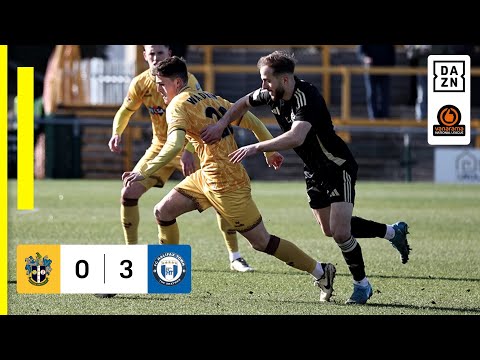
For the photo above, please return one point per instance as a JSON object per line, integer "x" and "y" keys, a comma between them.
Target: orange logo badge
{"x": 449, "y": 117}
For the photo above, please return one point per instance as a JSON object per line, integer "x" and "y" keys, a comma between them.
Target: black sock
{"x": 352, "y": 253}
{"x": 362, "y": 228}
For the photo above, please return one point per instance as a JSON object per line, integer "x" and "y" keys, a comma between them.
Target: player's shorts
{"x": 237, "y": 206}
{"x": 338, "y": 187}
{"x": 161, "y": 176}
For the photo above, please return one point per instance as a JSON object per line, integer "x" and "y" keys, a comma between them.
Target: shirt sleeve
{"x": 259, "y": 97}
{"x": 174, "y": 144}
{"x": 131, "y": 103}
{"x": 121, "y": 119}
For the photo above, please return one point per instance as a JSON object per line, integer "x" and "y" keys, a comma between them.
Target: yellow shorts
{"x": 159, "y": 178}
{"x": 237, "y": 206}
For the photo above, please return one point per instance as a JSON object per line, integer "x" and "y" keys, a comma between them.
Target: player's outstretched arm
{"x": 289, "y": 140}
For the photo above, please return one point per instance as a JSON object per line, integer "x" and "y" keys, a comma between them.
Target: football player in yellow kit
{"x": 142, "y": 90}
{"x": 219, "y": 183}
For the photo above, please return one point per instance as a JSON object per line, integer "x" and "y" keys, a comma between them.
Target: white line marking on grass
{"x": 25, "y": 212}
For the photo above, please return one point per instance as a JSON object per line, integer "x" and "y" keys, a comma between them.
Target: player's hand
{"x": 114, "y": 144}
{"x": 211, "y": 133}
{"x": 188, "y": 163}
{"x": 241, "y": 153}
{"x": 131, "y": 176}
{"x": 275, "y": 160}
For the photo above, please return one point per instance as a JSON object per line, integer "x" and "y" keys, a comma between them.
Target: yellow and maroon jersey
{"x": 192, "y": 110}
{"x": 143, "y": 90}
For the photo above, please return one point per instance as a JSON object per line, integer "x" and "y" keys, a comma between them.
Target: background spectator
{"x": 377, "y": 87}
{"x": 412, "y": 62}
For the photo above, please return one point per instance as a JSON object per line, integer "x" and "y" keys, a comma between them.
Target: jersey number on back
{"x": 210, "y": 111}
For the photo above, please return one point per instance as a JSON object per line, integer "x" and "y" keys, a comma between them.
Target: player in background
{"x": 218, "y": 183}
{"x": 329, "y": 167}
{"x": 142, "y": 90}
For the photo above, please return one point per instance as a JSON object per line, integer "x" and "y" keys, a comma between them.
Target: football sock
{"x": 289, "y": 253}
{"x": 352, "y": 253}
{"x": 229, "y": 236}
{"x": 362, "y": 228}
{"x": 390, "y": 233}
{"x": 130, "y": 218}
{"x": 168, "y": 232}
{"x": 318, "y": 272}
{"x": 234, "y": 256}
{"x": 363, "y": 282}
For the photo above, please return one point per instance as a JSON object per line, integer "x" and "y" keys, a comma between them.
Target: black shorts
{"x": 337, "y": 186}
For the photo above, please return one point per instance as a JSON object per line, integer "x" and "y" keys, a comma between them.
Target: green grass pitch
{"x": 441, "y": 278}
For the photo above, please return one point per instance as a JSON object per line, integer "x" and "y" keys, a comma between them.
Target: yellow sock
{"x": 168, "y": 233}
{"x": 130, "y": 218}
{"x": 229, "y": 234}
{"x": 293, "y": 256}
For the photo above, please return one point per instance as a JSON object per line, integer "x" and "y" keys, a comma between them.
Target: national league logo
{"x": 449, "y": 100}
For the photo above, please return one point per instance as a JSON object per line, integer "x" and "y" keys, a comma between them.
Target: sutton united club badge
{"x": 169, "y": 269}
{"x": 38, "y": 269}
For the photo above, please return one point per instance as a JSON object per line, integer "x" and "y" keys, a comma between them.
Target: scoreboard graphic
{"x": 104, "y": 269}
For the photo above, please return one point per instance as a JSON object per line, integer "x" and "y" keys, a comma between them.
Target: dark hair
{"x": 172, "y": 67}
{"x": 280, "y": 61}
{"x": 169, "y": 47}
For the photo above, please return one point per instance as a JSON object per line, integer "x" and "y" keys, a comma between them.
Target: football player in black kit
{"x": 329, "y": 166}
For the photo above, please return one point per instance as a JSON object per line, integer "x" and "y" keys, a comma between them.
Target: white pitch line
{"x": 25, "y": 212}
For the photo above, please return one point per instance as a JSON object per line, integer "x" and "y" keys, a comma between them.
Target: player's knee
{"x": 157, "y": 212}
{"x": 161, "y": 212}
{"x": 341, "y": 235}
{"x": 128, "y": 193}
{"x": 134, "y": 191}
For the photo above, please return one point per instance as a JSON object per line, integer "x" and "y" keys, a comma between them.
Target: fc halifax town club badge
{"x": 169, "y": 269}
{"x": 38, "y": 269}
